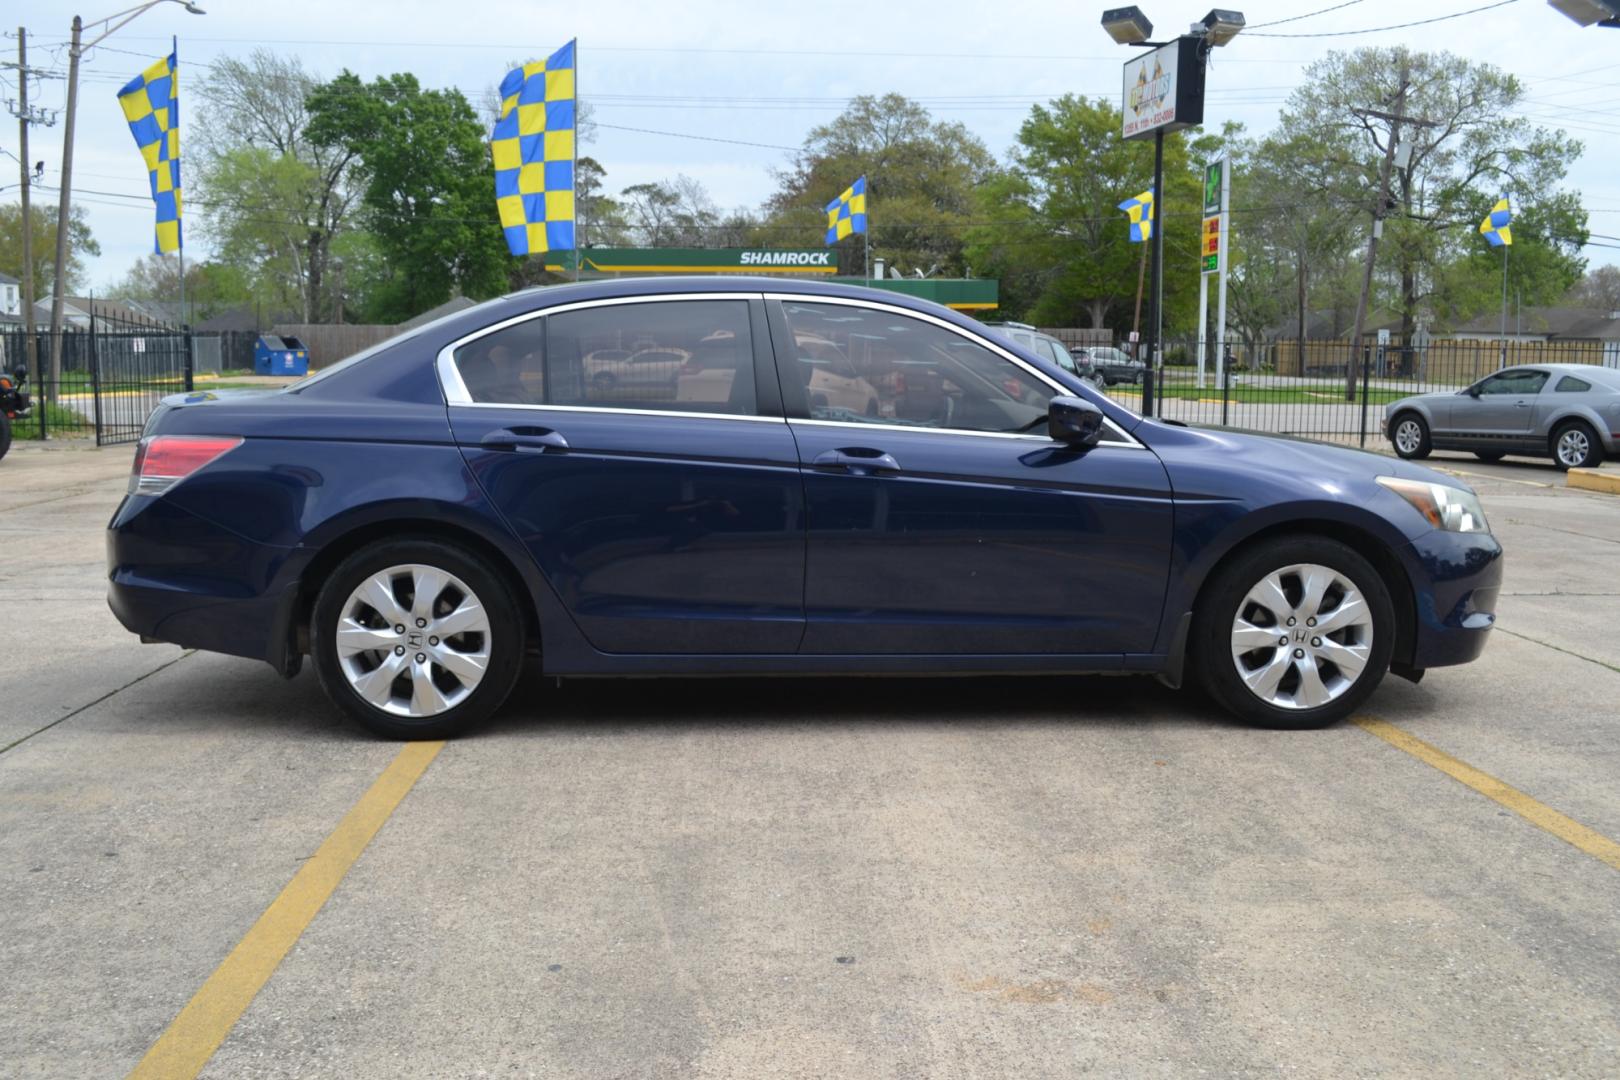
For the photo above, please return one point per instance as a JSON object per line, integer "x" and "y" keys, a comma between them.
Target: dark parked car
{"x": 1110, "y": 364}
{"x": 1568, "y": 412}
{"x": 423, "y": 516}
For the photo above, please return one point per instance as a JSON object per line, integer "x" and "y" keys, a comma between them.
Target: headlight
{"x": 1448, "y": 508}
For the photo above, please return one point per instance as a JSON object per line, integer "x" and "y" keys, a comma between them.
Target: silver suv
{"x": 1046, "y": 347}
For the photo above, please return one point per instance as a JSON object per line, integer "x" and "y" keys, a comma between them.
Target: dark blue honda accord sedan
{"x": 744, "y": 476}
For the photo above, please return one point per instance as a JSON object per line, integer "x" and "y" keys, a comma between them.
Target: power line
{"x": 1296, "y": 18}
{"x": 1396, "y": 26}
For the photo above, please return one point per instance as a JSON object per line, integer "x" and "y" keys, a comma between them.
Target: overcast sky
{"x": 766, "y": 71}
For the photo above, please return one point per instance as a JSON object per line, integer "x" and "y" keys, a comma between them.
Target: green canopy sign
{"x": 710, "y": 260}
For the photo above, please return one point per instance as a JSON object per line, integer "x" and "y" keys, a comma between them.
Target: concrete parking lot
{"x": 835, "y": 877}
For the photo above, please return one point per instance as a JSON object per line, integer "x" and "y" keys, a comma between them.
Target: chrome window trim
{"x": 620, "y": 412}
{"x": 984, "y": 342}
{"x": 455, "y": 390}
{"x": 922, "y": 429}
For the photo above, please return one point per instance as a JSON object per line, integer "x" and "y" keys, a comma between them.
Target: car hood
{"x": 1335, "y": 469}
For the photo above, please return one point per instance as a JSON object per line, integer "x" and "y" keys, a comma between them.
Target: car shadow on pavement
{"x": 540, "y": 705}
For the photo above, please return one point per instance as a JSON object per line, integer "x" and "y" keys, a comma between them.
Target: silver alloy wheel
{"x": 1408, "y": 436}
{"x": 413, "y": 640}
{"x": 1302, "y": 636}
{"x": 1573, "y": 446}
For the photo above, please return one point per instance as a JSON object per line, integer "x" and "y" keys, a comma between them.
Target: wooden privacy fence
{"x": 1440, "y": 360}
{"x": 329, "y": 343}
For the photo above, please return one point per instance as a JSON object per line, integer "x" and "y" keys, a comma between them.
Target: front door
{"x": 946, "y": 521}
{"x": 1505, "y": 408}
{"x": 664, "y": 506}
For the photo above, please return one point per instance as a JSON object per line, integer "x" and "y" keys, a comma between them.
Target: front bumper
{"x": 1459, "y": 576}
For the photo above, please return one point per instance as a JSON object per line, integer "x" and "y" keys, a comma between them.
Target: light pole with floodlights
{"x": 75, "y": 50}
{"x": 1152, "y": 104}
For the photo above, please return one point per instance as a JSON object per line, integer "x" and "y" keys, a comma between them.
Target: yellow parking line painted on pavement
{"x": 194, "y": 1035}
{"x": 1488, "y": 476}
{"x": 1539, "y": 814}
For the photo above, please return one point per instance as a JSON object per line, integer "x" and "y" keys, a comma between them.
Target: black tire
{"x": 506, "y": 632}
{"x": 1220, "y": 603}
{"x": 1415, "y": 451}
{"x": 1566, "y": 457}
{"x": 5, "y": 434}
{"x": 1490, "y": 457}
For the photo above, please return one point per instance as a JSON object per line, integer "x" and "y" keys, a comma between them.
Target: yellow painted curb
{"x": 1594, "y": 480}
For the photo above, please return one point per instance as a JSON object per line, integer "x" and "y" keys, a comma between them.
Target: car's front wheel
{"x": 1295, "y": 633}
{"x": 1575, "y": 446}
{"x": 416, "y": 638}
{"x": 1410, "y": 435}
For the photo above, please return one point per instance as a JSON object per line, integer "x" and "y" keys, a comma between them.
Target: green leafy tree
{"x": 211, "y": 287}
{"x": 427, "y": 188}
{"x": 271, "y": 200}
{"x": 1468, "y": 149}
{"x": 80, "y": 244}
{"x": 1599, "y": 289}
{"x": 1050, "y": 226}
{"x": 920, "y": 175}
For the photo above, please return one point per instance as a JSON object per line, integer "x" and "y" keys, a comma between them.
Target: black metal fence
{"x": 1283, "y": 388}
{"x": 107, "y": 382}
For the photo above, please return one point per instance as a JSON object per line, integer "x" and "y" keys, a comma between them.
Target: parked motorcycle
{"x": 14, "y": 403}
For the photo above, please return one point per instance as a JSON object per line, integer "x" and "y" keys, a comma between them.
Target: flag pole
{"x": 575, "y": 174}
{"x": 1502, "y": 360}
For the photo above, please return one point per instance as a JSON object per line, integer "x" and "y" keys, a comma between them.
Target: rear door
{"x": 948, "y": 522}
{"x": 666, "y": 509}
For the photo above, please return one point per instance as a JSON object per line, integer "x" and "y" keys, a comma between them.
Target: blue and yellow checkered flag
{"x": 533, "y": 145}
{"x": 1495, "y": 225}
{"x": 151, "y": 102}
{"x": 846, "y": 215}
{"x": 1140, "y": 210}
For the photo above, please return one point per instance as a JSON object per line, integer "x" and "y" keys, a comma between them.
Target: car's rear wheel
{"x": 1575, "y": 446}
{"x": 1410, "y": 435}
{"x": 1295, "y": 633}
{"x": 416, "y": 638}
{"x": 1489, "y": 456}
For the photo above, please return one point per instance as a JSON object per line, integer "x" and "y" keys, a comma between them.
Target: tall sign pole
{"x": 1163, "y": 92}
{"x": 1212, "y": 260}
{"x": 1225, "y": 257}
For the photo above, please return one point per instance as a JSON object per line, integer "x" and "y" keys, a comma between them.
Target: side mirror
{"x": 1074, "y": 421}
{"x": 1472, "y": 391}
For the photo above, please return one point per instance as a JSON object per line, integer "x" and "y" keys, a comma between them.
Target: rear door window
{"x": 672, "y": 356}
{"x": 1569, "y": 384}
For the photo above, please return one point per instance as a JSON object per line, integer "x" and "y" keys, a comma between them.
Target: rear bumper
{"x": 173, "y": 576}
{"x": 1460, "y": 578}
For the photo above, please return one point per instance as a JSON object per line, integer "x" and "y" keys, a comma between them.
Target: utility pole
{"x": 64, "y": 211}
{"x": 27, "y": 116}
{"x": 1380, "y": 207}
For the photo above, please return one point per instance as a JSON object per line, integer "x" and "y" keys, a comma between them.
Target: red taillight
{"x": 164, "y": 460}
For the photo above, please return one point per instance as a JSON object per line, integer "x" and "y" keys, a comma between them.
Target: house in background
{"x": 10, "y": 297}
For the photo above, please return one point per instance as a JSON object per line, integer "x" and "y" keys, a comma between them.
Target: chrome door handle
{"x": 533, "y": 440}
{"x": 858, "y": 459}
{"x": 1521, "y": 404}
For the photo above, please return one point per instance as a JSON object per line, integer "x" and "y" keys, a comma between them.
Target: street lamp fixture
{"x": 1221, "y": 26}
{"x": 1127, "y": 25}
{"x": 1590, "y": 12}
